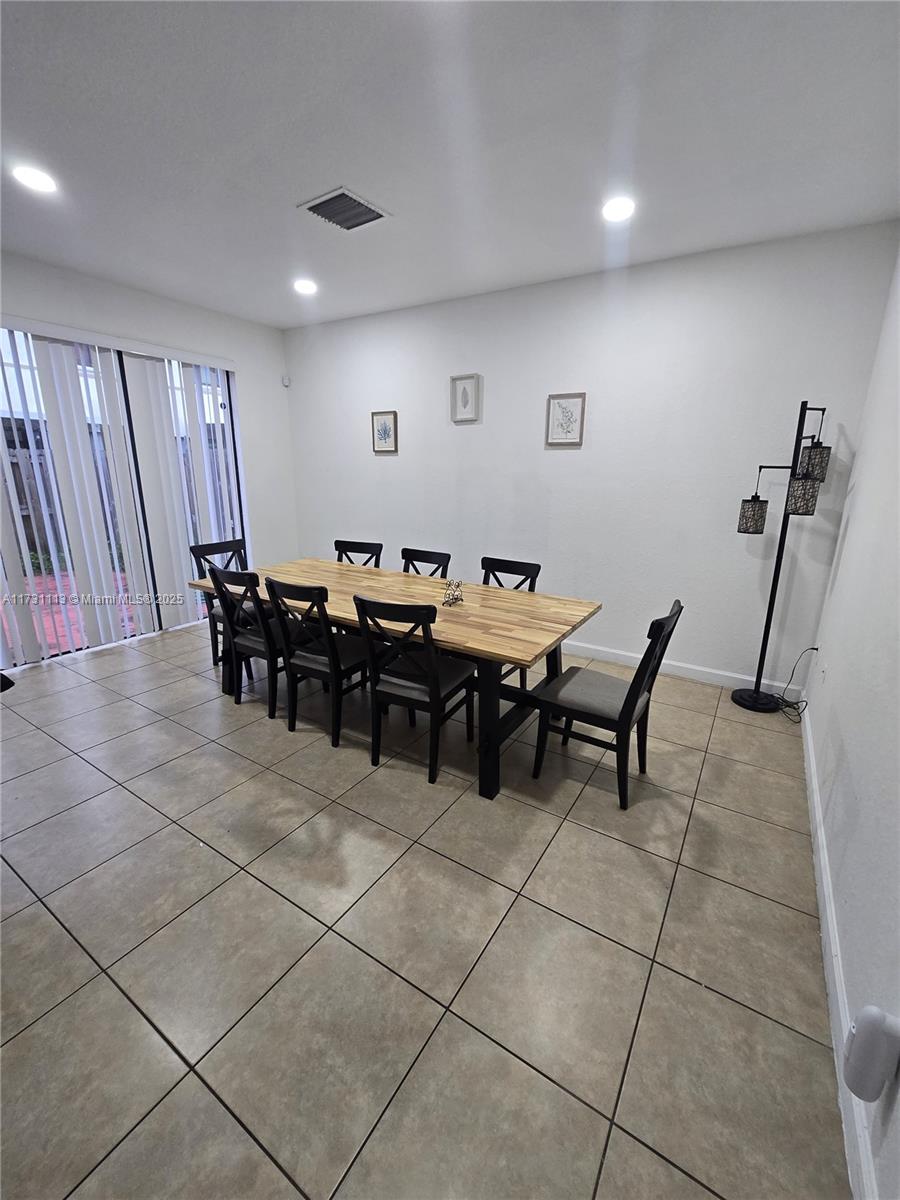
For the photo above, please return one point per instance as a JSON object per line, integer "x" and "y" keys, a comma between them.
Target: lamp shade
{"x": 753, "y": 515}
{"x": 814, "y": 462}
{"x": 802, "y": 496}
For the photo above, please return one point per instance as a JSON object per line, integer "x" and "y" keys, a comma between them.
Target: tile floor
{"x": 240, "y": 964}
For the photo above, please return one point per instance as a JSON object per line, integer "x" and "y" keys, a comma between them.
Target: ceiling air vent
{"x": 343, "y": 209}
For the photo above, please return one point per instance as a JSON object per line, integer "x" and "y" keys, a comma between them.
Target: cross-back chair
{"x": 228, "y": 555}
{"x": 406, "y": 669}
{"x": 311, "y": 650}
{"x": 511, "y": 573}
{"x": 606, "y": 702}
{"x": 370, "y": 552}
{"x": 438, "y": 560}
{"x": 249, "y": 630}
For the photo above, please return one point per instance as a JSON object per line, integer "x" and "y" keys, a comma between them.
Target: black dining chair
{"x": 230, "y": 555}
{"x": 511, "y": 573}
{"x": 249, "y": 630}
{"x": 311, "y": 650}
{"x": 607, "y": 702}
{"x": 438, "y": 560}
{"x": 411, "y": 673}
{"x": 370, "y": 552}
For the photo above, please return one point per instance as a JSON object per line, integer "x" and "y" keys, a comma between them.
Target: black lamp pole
{"x": 755, "y": 698}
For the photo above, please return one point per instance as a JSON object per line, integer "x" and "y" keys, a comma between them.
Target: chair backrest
{"x": 229, "y": 555}
{"x": 305, "y": 634}
{"x": 524, "y": 572}
{"x": 369, "y": 551}
{"x": 392, "y": 653}
{"x": 243, "y": 614}
{"x": 439, "y": 560}
{"x": 659, "y": 633}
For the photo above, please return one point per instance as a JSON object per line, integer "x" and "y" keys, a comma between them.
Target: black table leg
{"x": 488, "y": 728}
{"x": 554, "y": 663}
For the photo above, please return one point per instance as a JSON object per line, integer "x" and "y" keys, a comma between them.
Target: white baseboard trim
{"x": 686, "y": 670}
{"x": 854, "y": 1113}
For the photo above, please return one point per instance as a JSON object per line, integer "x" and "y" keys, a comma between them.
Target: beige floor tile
{"x": 65, "y": 846}
{"x": 73, "y": 1085}
{"x": 123, "y": 901}
{"x": 311, "y": 1067}
{"x": 581, "y": 751}
{"x": 37, "y": 681}
{"x": 759, "y": 747}
{"x": 14, "y": 895}
{"x": 12, "y": 725}
{"x": 632, "y": 1172}
{"x": 683, "y": 726}
{"x": 428, "y": 919}
{"x": 558, "y": 787}
{"x": 775, "y": 722}
{"x": 188, "y": 1148}
{"x": 655, "y": 819}
{"x": 270, "y": 742}
{"x": 675, "y": 768}
{"x": 216, "y": 718}
{"x": 106, "y": 661}
{"x": 465, "y": 1123}
{"x": 457, "y": 755}
{"x": 28, "y": 753}
{"x": 132, "y": 754}
{"x": 399, "y": 795}
{"x": 31, "y": 798}
{"x": 101, "y": 724}
{"x": 329, "y": 770}
{"x": 754, "y": 791}
{"x": 204, "y": 970}
{"x": 605, "y": 667}
{"x": 753, "y": 854}
{"x": 702, "y": 1063}
{"x": 143, "y": 679}
{"x": 193, "y": 779}
{"x": 175, "y": 645}
{"x": 245, "y": 821}
{"x": 564, "y": 999}
{"x": 754, "y": 950}
{"x": 502, "y": 838}
{"x": 687, "y": 693}
{"x": 627, "y": 905}
{"x": 175, "y": 697}
{"x": 70, "y": 702}
{"x": 327, "y": 864}
{"x": 41, "y": 966}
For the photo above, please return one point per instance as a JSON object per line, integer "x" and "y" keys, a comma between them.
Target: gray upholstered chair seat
{"x": 601, "y": 696}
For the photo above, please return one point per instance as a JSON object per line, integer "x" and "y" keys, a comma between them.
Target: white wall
{"x": 853, "y": 736}
{"x": 35, "y": 292}
{"x": 694, "y": 369}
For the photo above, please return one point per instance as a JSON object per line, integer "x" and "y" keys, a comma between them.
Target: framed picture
{"x": 384, "y": 432}
{"x": 465, "y": 399}
{"x": 565, "y": 419}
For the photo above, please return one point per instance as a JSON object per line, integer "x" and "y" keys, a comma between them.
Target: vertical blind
{"x": 112, "y": 465}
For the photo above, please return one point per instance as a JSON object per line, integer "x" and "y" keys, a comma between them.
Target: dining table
{"x": 495, "y": 627}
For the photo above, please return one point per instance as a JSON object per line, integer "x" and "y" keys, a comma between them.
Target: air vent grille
{"x": 344, "y": 210}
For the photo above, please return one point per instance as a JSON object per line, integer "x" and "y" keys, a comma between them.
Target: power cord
{"x": 793, "y": 709}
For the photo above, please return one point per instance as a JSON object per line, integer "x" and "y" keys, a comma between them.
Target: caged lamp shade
{"x": 802, "y": 496}
{"x": 752, "y": 518}
{"x": 814, "y": 462}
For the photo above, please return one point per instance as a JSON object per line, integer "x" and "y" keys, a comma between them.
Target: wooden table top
{"x": 496, "y": 623}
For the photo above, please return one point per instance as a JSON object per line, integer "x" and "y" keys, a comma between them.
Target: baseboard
{"x": 854, "y": 1113}
{"x": 686, "y": 670}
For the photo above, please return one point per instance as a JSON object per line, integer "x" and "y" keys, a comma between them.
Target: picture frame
{"x": 465, "y": 399}
{"x": 565, "y": 419}
{"x": 384, "y": 432}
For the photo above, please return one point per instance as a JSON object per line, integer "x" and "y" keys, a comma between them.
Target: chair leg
{"x": 622, "y": 747}
{"x": 434, "y": 747}
{"x": 337, "y": 705}
{"x": 237, "y": 675}
{"x": 642, "y": 725}
{"x": 227, "y": 673}
{"x": 293, "y": 688}
{"x": 568, "y": 728}
{"x": 376, "y": 732}
{"x": 470, "y": 715}
{"x": 248, "y": 664}
{"x": 214, "y": 639}
{"x": 412, "y": 718}
{"x": 540, "y": 748}
{"x": 273, "y": 689}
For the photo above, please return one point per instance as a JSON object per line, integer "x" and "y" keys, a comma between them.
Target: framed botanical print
{"x": 384, "y": 432}
{"x": 565, "y": 419}
{"x": 465, "y": 399}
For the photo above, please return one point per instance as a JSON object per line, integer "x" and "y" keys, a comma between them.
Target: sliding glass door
{"x": 112, "y": 465}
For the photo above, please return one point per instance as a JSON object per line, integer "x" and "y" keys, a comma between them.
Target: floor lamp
{"x": 808, "y": 468}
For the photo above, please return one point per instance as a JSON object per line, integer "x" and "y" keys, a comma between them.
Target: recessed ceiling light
{"x": 306, "y": 287}
{"x": 37, "y": 180}
{"x": 619, "y": 208}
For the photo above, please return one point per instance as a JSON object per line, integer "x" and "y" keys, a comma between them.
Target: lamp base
{"x": 756, "y": 701}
